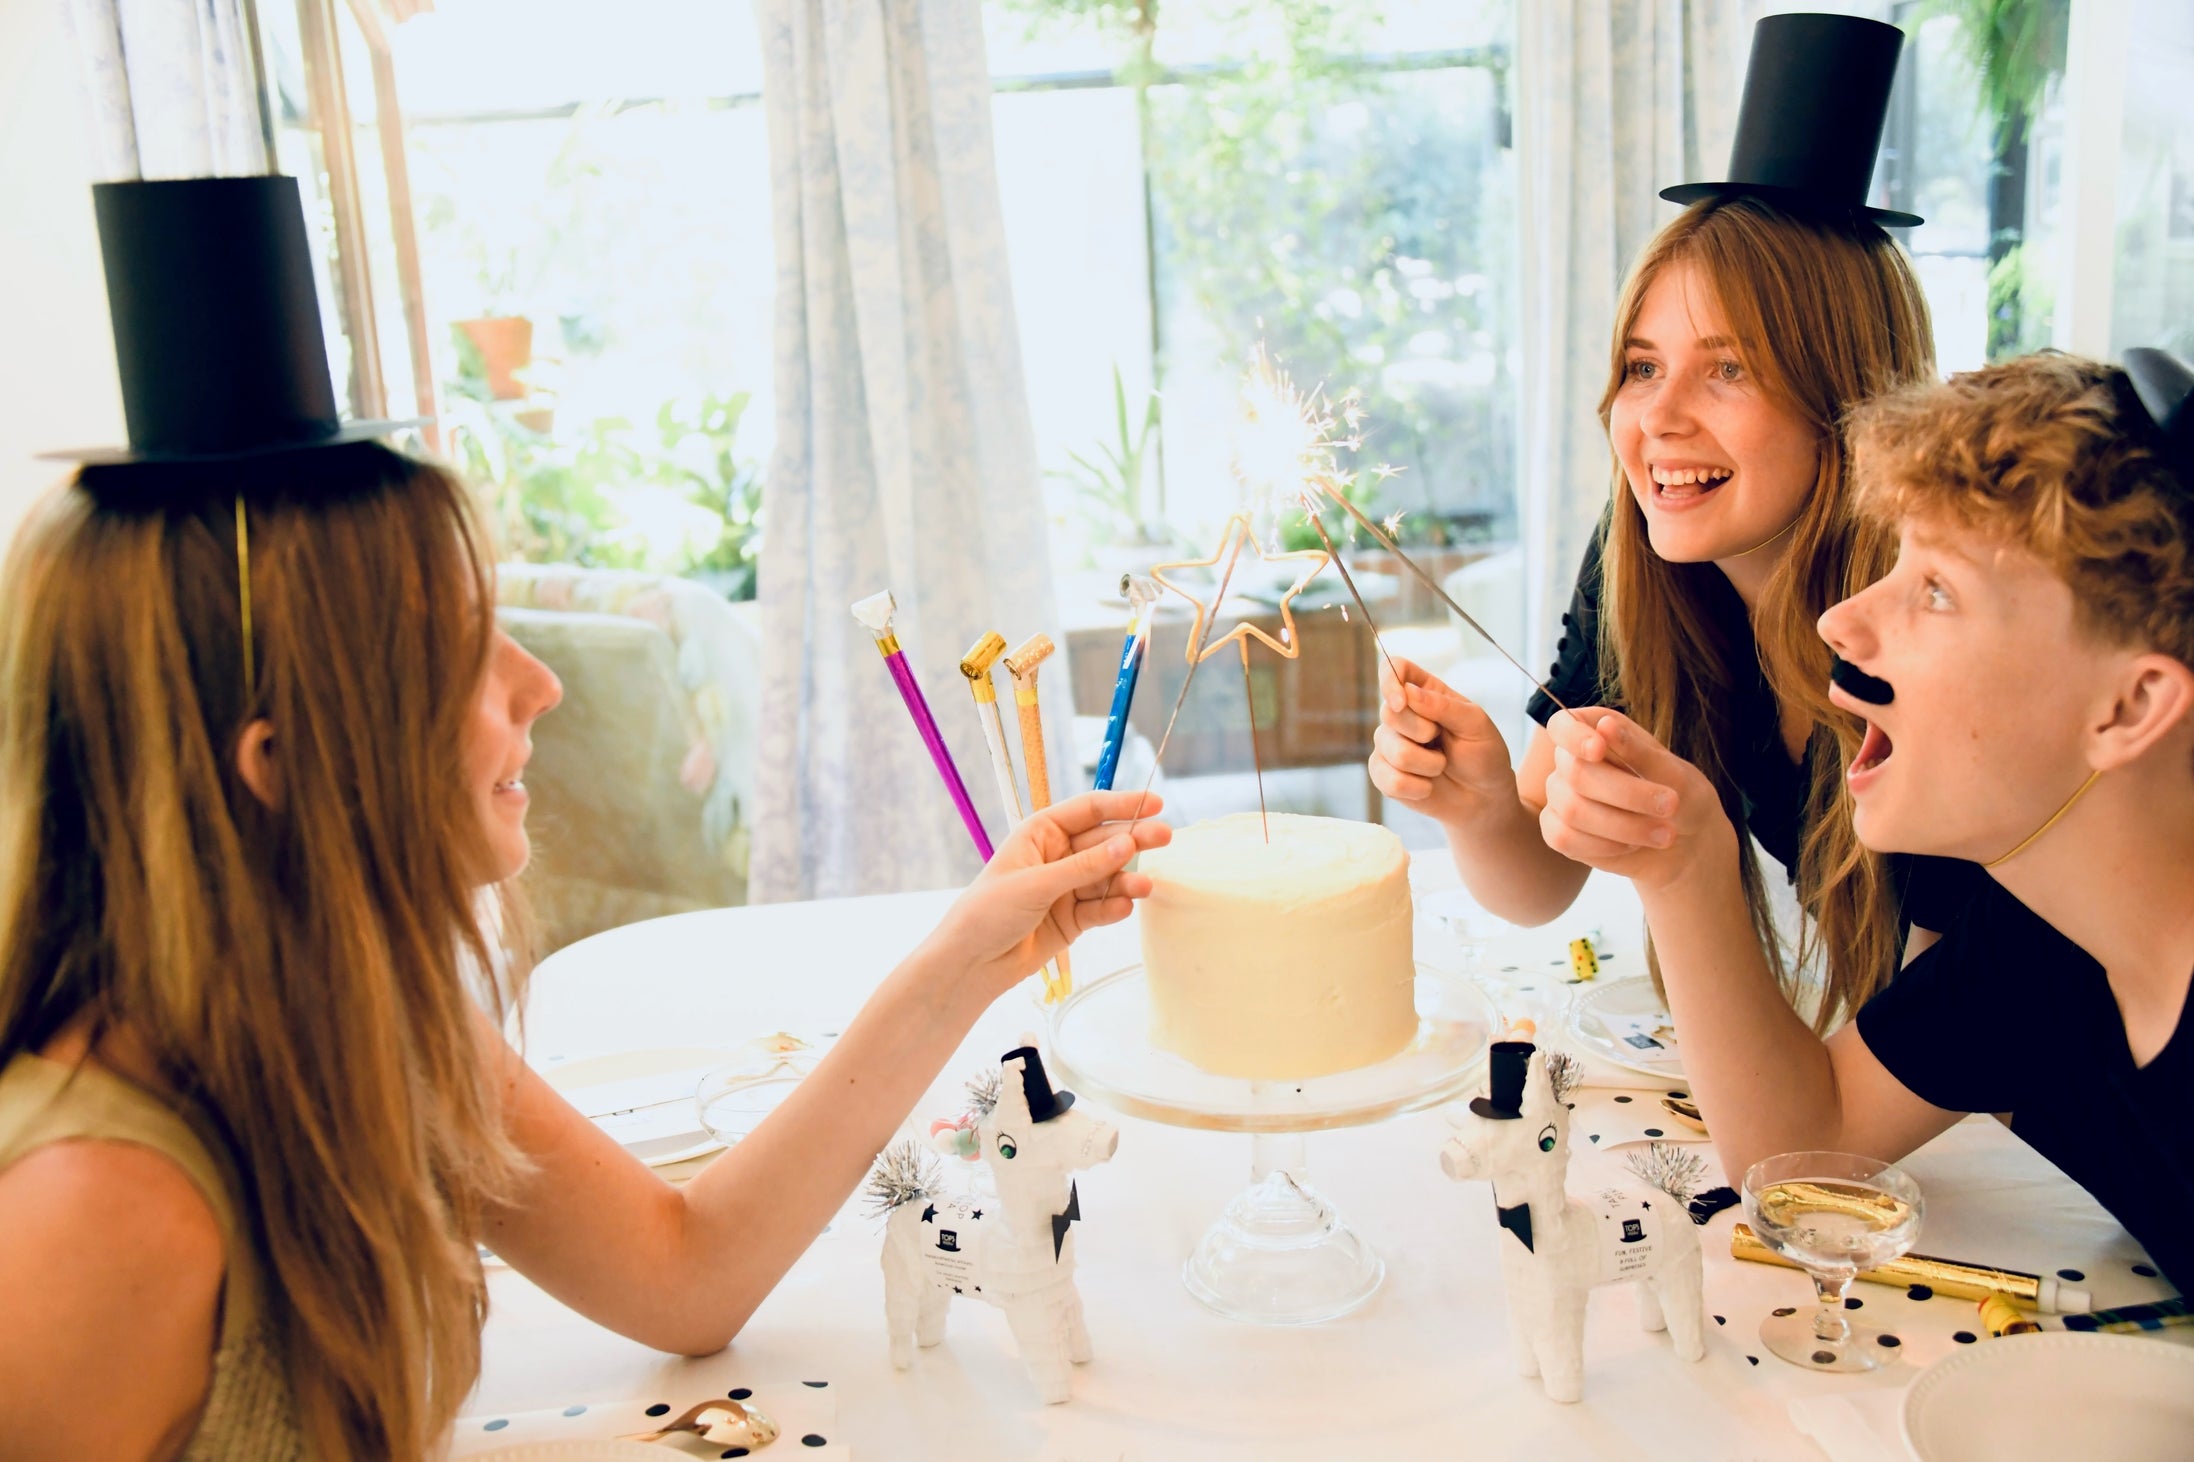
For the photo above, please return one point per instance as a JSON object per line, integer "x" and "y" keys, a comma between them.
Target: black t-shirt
{"x": 1959, "y": 1028}
{"x": 1931, "y": 891}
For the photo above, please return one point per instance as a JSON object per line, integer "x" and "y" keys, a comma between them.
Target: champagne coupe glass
{"x": 1470, "y": 926}
{"x": 1832, "y": 1214}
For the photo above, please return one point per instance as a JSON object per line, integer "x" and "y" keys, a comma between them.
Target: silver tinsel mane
{"x": 1670, "y": 1168}
{"x": 904, "y": 1172}
{"x": 983, "y": 1092}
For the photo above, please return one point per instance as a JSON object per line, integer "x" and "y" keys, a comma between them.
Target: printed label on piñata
{"x": 952, "y": 1232}
{"x": 1629, "y": 1234}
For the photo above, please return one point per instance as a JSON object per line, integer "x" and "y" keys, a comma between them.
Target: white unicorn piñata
{"x": 1556, "y": 1248}
{"x": 1015, "y": 1251}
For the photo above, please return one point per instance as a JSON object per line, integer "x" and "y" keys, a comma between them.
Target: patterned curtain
{"x": 1616, "y": 100}
{"x": 905, "y": 458}
{"x": 170, "y": 88}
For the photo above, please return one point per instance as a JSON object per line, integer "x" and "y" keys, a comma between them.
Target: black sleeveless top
{"x": 1771, "y": 787}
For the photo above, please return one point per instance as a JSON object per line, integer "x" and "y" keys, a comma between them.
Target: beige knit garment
{"x": 250, "y": 1414}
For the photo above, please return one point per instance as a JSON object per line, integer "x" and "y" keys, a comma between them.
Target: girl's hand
{"x": 1620, "y": 801}
{"x": 1061, "y": 873}
{"x": 1436, "y": 751}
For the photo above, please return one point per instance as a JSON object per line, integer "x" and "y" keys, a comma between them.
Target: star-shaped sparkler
{"x": 1239, "y": 535}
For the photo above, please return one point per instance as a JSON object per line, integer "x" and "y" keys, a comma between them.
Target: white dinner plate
{"x": 2054, "y": 1395}
{"x": 644, "y": 1099}
{"x": 1610, "y": 1018}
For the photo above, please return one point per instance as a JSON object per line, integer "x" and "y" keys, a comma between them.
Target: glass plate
{"x": 1100, "y": 1041}
{"x": 1600, "y": 1017}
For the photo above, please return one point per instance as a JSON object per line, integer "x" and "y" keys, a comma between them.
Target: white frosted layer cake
{"x": 1284, "y": 959}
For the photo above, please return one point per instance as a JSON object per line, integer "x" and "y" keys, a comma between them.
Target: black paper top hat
{"x": 216, "y": 322}
{"x": 2164, "y": 385}
{"x": 1043, "y": 1102}
{"x": 1809, "y": 126}
{"x": 1510, "y": 1063}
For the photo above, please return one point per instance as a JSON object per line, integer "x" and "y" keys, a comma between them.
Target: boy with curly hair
{"x": 2026, "y": 679}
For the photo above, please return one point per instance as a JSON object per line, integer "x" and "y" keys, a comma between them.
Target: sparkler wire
{"x": 1194, "y": 659}
{"x": 1357, "y": 595}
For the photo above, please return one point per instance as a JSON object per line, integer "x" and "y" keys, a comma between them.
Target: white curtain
{"x": 904, "y": 458}
{"x": 170, "y": 88}
{"x": 1616, "y": 100}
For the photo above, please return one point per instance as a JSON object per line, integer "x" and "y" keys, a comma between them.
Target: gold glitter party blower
{"x": 1024, "y": 662}
{"x": 975, "y": 665}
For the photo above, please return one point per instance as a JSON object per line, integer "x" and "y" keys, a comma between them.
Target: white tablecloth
{"x": 1424, "y": 1370}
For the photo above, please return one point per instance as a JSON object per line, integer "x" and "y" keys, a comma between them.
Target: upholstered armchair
{"x": 642, "y": 779}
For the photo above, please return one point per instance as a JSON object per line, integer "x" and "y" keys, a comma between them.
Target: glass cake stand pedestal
{"x": 1278, "y": 1254}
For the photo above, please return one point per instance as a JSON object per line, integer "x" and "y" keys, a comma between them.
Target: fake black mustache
{"x": 1858, "y": 683}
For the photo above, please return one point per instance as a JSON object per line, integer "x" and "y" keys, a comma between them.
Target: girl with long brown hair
{"x": 1747, "y": 329}
{"x": 262, "y": 754}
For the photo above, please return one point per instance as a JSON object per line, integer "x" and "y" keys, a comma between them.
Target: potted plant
{"x": 1108, "y": 490}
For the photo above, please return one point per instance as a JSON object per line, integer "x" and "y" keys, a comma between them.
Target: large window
{"x": 547, "y": 225}
{"x": 1188, "y": 181}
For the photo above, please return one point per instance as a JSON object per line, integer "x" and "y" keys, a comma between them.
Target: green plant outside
{"x": 677, "y": 498}
{"x": 1355, "y": 221}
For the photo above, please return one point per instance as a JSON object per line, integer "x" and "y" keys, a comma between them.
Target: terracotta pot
{"x": 505, "y": 343}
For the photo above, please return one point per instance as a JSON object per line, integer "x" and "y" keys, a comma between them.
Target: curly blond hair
{"x": 2052, "y": 453}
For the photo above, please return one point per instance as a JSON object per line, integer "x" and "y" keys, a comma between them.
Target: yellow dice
{"x": 1583, "y": 963}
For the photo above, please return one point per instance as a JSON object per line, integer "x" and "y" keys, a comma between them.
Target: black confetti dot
{"x": 739, "y": 1393}
{"x": 1593, "y": 1135}
{"x": 660, "y": 1408}
{"x": 1571, "y": 1105}
{"x": 1721, "y": 1319}
{"x": 1963, "y": 1337}
{"x": 1527, "y": 989}
{"x": 819, "y": 1385}
{"x": 1653, "y": 1132}
{"x": 496, "y": 1425}
{"x": 1508, "y": 969}
{"x": 1557, "y": 963}
{"x": 732, "y": 1452}
{"x": 2072, "y": 1274}
{"x": 1824, "y": 1357}
{"x": 575, "y": 1411}
{"x": 1784, "y": 1311}
{"x": 1622, "y": 1099}
{"x": 813, "y": 1439}
{"x": 2146, "y": 1271}
{"x": 1853, "y": 1302}
{"x": 1753, "y": 1358}
{"x": 830, "y": 1035}
{"x": 1682, "y": 1096}
{"x": 1920, "y": 1292}
{"x": 1887, "y": 1342}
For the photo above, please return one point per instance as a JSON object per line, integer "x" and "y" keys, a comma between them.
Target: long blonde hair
{"x": 1830, "y": 314}
{"x": 303, "y": 973}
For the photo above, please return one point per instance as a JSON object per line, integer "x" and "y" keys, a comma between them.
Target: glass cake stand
{"x": 1278, "y": 1254}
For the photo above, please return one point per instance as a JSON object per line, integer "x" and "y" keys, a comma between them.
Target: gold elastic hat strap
{"x": 2054, "y": 818}
{"x": 243, "y": 593}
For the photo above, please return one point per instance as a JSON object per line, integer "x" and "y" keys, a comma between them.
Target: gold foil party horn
{"x": 2000, "y": 1317}
{"x": 1024, "y": 662}
{"x": 975, "y": 665}
{"x": 1944, "y": 1276}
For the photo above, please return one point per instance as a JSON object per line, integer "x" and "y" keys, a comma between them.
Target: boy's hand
{"x": 1653, "y": 818}
{"x": 1062, "y": 872}
{"x": 1436, "y": 751}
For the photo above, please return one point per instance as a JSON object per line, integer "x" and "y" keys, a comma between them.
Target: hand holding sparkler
{"x": 1437, "y": 751}
{"x": 1651, "y": 817}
